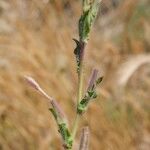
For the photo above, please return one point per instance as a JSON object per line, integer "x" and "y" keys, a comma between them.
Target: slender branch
{"x": 80, "y": 75}
{"x": 56, "y": 112}
{"x": 80, "y": 87}
{"x": 89, "y": 13}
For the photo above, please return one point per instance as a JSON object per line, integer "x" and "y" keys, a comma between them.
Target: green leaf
{"x": 99, "y": 80}
{"x": 53, "y": 112}
{"x": 63, "y": 130}
{"x": 90, "y": 10}
{"x": 82, "y": 106}
{"x": 65, "y": 135}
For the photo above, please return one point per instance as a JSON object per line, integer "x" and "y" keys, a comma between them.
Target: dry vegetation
{"x": 36, "y": 40}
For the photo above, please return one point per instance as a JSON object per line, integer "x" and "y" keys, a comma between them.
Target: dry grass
{"x": 35, "y": 40}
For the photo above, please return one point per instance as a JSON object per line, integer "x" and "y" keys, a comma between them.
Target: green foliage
{"x": 65, "y": 135}
{"x": 63, "y": 129}
{"x": 82, "y": 106}
{"x": 90, "y": 10}
{"x": 89, "y": 95}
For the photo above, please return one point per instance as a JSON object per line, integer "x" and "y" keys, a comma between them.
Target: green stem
{"x": 80, "y": 90}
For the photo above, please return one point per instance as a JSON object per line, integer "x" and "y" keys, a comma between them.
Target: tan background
{"x": 36, "y": 40}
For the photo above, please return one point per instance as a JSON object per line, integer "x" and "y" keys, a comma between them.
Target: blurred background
{"x": 36, "y": 40}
